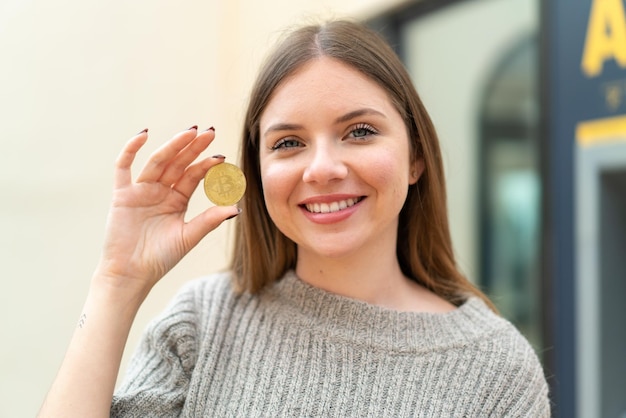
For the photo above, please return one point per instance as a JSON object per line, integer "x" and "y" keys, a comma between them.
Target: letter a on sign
{"x": 606, "y": 36}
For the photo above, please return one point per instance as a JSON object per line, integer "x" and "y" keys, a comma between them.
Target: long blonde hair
{"x": 263, "y": 254}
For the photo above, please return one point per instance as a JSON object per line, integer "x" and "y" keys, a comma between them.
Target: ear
{"x": 417, "y": 168}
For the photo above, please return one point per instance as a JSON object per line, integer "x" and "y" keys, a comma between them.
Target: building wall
{"x": 77, "y": 80}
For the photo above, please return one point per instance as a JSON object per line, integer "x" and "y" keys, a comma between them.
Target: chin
{"x": 334, "y": 252}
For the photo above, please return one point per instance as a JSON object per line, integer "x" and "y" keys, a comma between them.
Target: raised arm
{"x": 146, "y": 235}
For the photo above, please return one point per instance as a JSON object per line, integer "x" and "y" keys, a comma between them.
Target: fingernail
{"x": 209, "y": 129}
{"x": 232, "y": 216}
{"x": 219, "y": 156}
{"x": 142, "y": 132}
{"x": 193, "y": 127}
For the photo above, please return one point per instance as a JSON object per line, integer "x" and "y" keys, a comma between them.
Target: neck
{"x": 372, "y": 275}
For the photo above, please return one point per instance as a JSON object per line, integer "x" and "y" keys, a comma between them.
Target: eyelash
{"x": 282, "y": 144}
{"x": 369, "y": 130}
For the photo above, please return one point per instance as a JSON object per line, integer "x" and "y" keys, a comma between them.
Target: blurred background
{"x": 528, "y": 97}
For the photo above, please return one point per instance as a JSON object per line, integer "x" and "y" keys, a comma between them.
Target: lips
{"x": 331, "y": 207}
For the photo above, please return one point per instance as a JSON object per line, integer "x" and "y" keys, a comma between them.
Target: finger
{"x": 161, "y": 157}
{"x": 122, "y": 174}
{"x": 194, "y": 173}
{"x": 179, "y": 164}
{"x": 207, "y": 221}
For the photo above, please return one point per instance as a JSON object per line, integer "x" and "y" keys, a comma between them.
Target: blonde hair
{"x": 263, "y": 254}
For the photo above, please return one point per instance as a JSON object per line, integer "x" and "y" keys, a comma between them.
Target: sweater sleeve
{"x": 157, "y": 377}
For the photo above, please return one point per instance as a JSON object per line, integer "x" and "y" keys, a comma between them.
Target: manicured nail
{"x": 232, "y": 216}
{"x": 209, "y": 129}
{"x": 219, "y": 156}
{"x": 142, "y": 132}
{"x": 193, "y": 127}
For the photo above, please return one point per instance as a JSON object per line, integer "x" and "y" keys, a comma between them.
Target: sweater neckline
{"x": 345, "y": 318}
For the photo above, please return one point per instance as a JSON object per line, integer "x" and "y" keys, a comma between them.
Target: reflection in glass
{"x": 511, "y": 190}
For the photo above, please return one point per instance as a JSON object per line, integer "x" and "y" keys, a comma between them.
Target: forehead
{"x": 325, "y": 83}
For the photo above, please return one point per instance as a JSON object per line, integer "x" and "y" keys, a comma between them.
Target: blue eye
{"x": 286, "y": 143}
{"x": 362, "y": 130}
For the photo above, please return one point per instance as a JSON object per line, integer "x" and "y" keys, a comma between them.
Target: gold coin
{"x": 224, "y": 184}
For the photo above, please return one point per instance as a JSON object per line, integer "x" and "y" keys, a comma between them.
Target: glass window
{"x": 510, "y": 184}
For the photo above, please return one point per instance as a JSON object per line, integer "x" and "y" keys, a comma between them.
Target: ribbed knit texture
{"x": 298, "y": 351}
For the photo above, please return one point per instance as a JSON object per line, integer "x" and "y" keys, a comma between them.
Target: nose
{"x": 326, "y": 164}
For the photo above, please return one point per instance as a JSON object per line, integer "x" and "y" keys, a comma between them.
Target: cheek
{"x": 277, "y": 186}
{"x": 387, "y": 169}
{"x": 389, "y": 176}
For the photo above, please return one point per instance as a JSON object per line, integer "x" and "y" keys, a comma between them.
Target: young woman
{"x": 343, "y": 298}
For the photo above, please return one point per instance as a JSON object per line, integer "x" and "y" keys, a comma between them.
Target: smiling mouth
{"x": 332, "y": 206}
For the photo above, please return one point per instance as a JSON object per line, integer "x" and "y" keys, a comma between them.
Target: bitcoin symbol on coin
{"x": 224, "y": 184}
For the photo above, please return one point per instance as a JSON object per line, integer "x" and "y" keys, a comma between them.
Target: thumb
{"x": 207, "y": 221}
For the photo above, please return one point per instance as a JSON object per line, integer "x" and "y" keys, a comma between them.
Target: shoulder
{"x": 178, "y": 325}
{"x": 194, "y": 296}
{"x": 510, "y": 372}
{"x": 175, "y": 332}
{"x": 497, "y": 339}
{"x": 217, "y": 285}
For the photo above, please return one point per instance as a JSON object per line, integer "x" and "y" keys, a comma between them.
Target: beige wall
{"x": 76, "y": 80}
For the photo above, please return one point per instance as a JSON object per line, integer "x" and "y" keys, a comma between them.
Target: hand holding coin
{"x": 224, "y": 184}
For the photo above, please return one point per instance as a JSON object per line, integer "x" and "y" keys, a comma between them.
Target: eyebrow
{"x": 357, "y": 113}
{"x": 283, "y": 127}
{"x": 341, "y": 119}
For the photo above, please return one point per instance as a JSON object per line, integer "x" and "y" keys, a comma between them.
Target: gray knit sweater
{"x": 298, "y": 351}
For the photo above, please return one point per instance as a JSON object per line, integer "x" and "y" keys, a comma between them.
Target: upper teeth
{"x": 331, "y": 207}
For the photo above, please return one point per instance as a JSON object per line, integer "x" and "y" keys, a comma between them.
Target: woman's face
{"x": 335, "y": 160}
